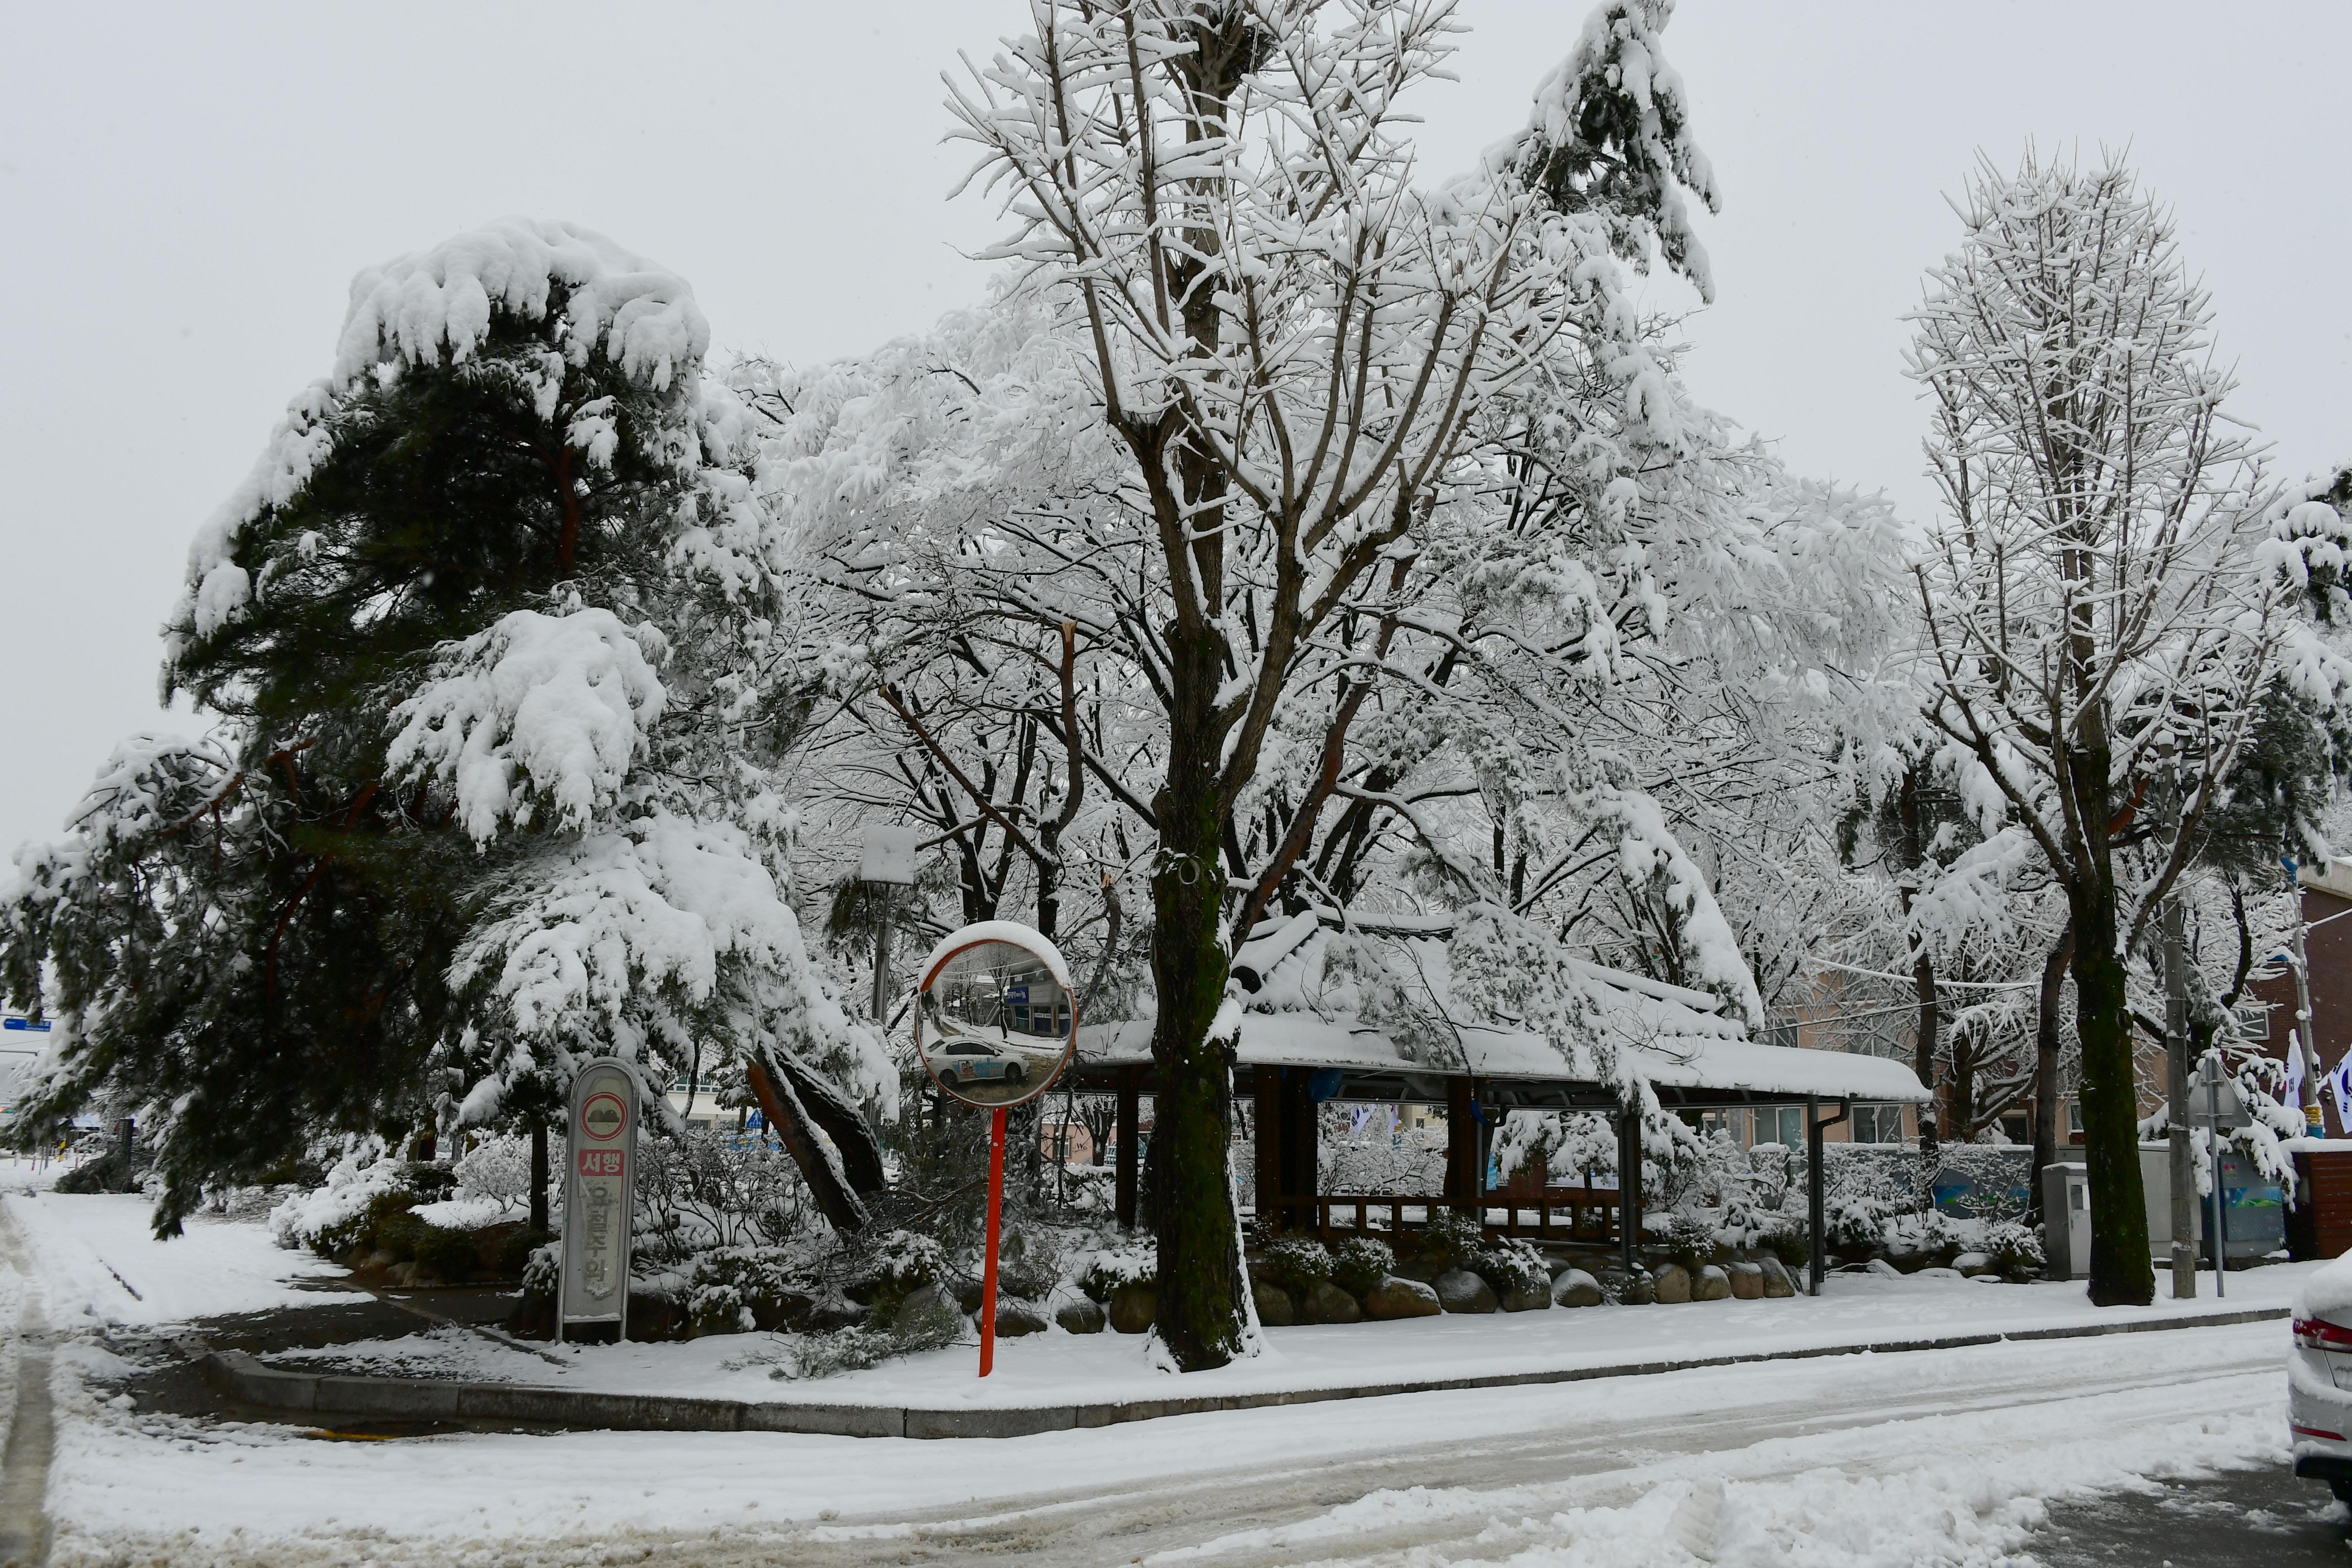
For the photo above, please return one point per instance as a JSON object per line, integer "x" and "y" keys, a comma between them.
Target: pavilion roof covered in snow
{"x": 1677, "y": 1039}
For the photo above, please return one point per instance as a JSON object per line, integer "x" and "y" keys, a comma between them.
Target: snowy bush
{"x": 328, "y": 1219}
{"x": 1769, "y": 1164}
{"x": 2015, "y": 1249}
{"x": 544, "y": 1269}
{"x": 901, "y": 1262}
{"x": 498, "y": 1169}
{"x": 1929, "y": 1237}
{"x": 1296, "y": 1263}
{"x": 1359, "y": 1263}
{"x": 706, "y": 1189}
{"x": 726, "y": 1283}
{"x": 1451, "y": 1239}
{"x": 1111, "y": 1268}
{"x": 1510, "y": 1264}
{"x": 1690, "y": 1240}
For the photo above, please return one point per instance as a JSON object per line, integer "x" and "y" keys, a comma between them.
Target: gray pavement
{"x": 2242, "y": 1517}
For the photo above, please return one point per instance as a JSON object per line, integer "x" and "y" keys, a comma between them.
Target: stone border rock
{"x": 245, "y": 1379}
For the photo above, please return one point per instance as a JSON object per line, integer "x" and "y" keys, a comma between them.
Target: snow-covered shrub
{"x": 1359, "y": 1263}
{"x": 902, "y": 1261}
{"x": 729, "y": 1287}
{"x": 2015, "y": 1249}
{"x": 1451, "y": 1239}
{"x": 1788, "y": 1242}
{"x": 1690, "y": 1241}
{"x": 1864, "y": 1185}
{"x": 544, "y": 1271}
{"x": 1029, "y": 1263}
{"x": 708, "y": 1190}
{"x": 1112, "y": 1269}
{"x": 1769, "y": 1164}
{"x": 1510, "y": 1264}
{"x": 498, "y": 1169}
{"x": 1928, "y": 1238}
{"x": 330, "y": 1219}
{"x": 1296, "y": 1263}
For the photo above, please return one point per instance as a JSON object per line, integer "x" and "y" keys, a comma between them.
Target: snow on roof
{"x": 1673, "y": 1037}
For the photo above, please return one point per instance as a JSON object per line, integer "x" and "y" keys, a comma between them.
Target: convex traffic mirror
{"x": 995, "y": 1022}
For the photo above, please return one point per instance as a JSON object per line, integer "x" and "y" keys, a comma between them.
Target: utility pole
{"x": 2176, "y": 1090}
{"x": 2315, "y": 1119}
{"x": 2176, "y": 1054}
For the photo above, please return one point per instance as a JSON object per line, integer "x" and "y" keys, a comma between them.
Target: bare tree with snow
{"x": 2104, "y": 603}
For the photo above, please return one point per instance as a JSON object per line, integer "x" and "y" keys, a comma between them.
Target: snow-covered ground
{"x": 1058, "y": 1368}
{"x": 1943, "y": 1456}
{"x": 97, "y": 1261}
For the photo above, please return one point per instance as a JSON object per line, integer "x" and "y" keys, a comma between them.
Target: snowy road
{"x": 1943, "y": 1456}
{"x": 1946, "y": 1457}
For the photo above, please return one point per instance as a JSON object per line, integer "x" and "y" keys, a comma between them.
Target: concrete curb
{"x": 244, "y": 1378}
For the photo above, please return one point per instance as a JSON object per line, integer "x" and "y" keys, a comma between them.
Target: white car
{"x": 2319, "y": 1379}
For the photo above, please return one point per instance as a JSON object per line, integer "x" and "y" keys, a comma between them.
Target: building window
{"x": 1782, "y": 1032}
{"x": 2073, "y": 1118}
{"x": 1780, "y": 1124}
{"x": 1878, "y": 1124}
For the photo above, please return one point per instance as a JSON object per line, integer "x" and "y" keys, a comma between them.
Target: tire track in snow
{"x": 1351, "y": 1503}
{"x": 24, "y": 1462}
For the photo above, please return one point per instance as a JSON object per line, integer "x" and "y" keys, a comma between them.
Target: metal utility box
{"x": 2066, "y": 1221}
{"x": 2255, "y": 1220}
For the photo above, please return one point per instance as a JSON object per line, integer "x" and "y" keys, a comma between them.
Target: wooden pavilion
{"x": 1291, "y": 1057}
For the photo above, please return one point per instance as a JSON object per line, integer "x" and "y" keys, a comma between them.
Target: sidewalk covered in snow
{"x": 1293, "y": 1056}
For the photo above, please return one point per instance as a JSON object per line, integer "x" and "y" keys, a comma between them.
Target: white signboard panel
{"x": 889, "y": 854}
{"x": 599, "y": 1189}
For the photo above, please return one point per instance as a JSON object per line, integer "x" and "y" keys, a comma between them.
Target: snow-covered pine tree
{"x": 485, "y": 637}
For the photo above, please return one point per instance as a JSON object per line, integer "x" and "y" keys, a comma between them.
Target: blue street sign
{"x": 1016, "y": 994}
{"x": 23, "y": 1024}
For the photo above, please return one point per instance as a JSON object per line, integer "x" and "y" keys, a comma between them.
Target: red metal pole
{"x": 995, "y": 1217}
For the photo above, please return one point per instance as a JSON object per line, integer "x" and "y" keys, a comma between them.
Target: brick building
{"x": 2328, "y": 947}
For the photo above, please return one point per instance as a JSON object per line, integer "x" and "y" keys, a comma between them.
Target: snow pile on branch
{"x": 636, "y": 932}
{"x": 417, "y": 308}
{"x": 591, "y": 297}
{"x": 1611, "y": 129}
{"x": 537, "y": 708}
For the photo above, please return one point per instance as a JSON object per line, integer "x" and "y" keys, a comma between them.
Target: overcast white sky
{"x": 187, "y": 190}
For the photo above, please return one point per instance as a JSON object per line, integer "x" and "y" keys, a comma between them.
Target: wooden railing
{"x": 1589, "y": 1214}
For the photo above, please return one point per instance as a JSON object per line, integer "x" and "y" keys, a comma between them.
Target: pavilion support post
{"x": 1628, "y": 1187}
{"x": 1816, "y": 1265}
{"x": 1462, "y": 1171}
{"x": 1817, "y": 1228}
{"x": 1299, "y": 1149}
{"x": 1266, "y": 1084}
{"x": 1130, "y": 1140}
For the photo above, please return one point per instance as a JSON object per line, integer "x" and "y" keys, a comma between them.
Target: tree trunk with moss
{"x": 2122, "y": 1271}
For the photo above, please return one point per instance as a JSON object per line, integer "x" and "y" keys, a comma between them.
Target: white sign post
{"x": 600, "y": 1171}
{"x": 996, "y": 1022}
{"x": 887, "y": 859}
